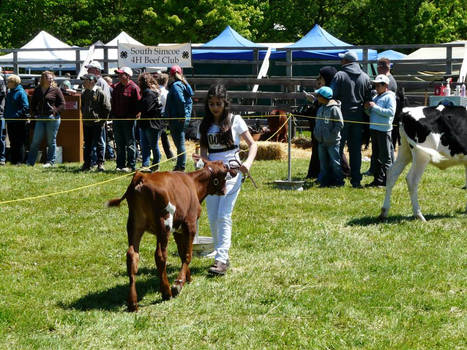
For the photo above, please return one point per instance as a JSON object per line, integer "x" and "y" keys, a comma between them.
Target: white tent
{"x": 437, "y": 52}
{"x": 123, "y": 38}
{"x": 41, "y": 41}
{"x": 112, "y": 53}
{"x": 428, "y": 70}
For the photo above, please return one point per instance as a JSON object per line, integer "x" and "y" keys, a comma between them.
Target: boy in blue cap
{"x": 327, "y": 132}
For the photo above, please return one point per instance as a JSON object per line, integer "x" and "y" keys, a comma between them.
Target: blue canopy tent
{"x": 318, "y": 37}
{"x": 392, "y": 55}
{"x": 228, "y": 38}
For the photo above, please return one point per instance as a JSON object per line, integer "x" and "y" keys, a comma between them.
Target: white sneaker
{"x": 211, "y": 255}
{"x": 145, "y": 169}
{"x": 47, "y": 165}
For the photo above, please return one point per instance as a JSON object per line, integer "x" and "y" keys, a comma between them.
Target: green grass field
{"x": 311, "y": 269}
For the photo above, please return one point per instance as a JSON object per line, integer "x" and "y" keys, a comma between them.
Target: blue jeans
{"x": 109, "y": 151}
{"x": 98, "y": 148}
{"x": 145, "y": 150}
{"x": 2, "y": 140}
{"x": 352, "y": 135}
{"x": 330, "y": 165}
{"x": 177, "y": 129}
{"x": 124, "y": 133}
{"x": 150, "y": 142}
{"x": 49, "y": 129}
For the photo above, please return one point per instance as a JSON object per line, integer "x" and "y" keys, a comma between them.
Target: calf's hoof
{"x": 132, "y": 307}
{"x": 176, "y": 289}
{"x": 166, "y": 296}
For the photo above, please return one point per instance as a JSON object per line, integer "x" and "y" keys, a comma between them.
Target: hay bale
{"x": 267, "y": 150}
{"x": 302, "y": 142}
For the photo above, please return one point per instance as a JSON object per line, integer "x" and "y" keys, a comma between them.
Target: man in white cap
{"x": 382, "y": 110}
{"x": 95, "y": 68}
{"x": 352, "y": 87}
{"x": 125, "y": 97}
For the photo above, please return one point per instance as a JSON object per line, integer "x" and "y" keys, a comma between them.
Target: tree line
{"x": 82, "y": 22}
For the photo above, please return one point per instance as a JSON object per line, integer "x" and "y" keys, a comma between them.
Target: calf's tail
{"x": 114, "y": 202}
{"x": 137, "y": 180}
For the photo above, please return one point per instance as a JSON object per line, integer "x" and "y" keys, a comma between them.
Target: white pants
{"x": 220, "y": 210}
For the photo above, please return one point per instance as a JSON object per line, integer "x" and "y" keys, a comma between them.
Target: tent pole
{"x": 365, "y": 61}
{"x": 106, "y": 60}
{"x": 77, "y": 65}
{"x": 448, "y": 60}
{"x": 15, "y": 62}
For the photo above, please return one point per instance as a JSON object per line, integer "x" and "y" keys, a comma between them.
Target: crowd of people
{"x": 132, "y": 109}
{"x": 347, "y": 104}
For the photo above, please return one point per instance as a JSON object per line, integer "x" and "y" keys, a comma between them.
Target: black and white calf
{"x": 436, "y": 135}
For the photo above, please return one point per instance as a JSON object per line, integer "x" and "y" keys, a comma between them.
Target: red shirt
{"x": 125, "y": 100}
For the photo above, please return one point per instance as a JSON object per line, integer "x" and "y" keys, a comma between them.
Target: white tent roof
{"x": 123, "y": 38}
{"x": 41, "y": 41}
{"x": 112, "y": 53}
{"x": 437, "y": 52}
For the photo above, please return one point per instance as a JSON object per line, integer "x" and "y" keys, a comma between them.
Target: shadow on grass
{"x": 307, "y": 183}
{"x": 72, "y": 169}
{"x": 395, "y": 219}
{"x": 114, "y": 298}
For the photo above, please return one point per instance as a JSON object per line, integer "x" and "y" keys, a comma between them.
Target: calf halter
{"x": 235, "y": 164}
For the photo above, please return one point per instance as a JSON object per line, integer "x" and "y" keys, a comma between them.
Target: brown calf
{"x": 161, "y": 203}
{"x": 275, "y": 123}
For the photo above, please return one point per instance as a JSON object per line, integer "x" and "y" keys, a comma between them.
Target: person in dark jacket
{"x": 326, "y": 74}
{"x": 46, "y": 105}
{"x": 178, "y": 106}
{"x": 125, "y": 97}
{"x": 352, "y": 87}
{"x": 95, "y": 109}
{"x": 16, "y": 109}
{"x": 150, "y": 107}
{"x": 327, "y": 132}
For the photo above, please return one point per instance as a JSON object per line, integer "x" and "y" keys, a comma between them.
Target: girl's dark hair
{"x": 225, "y": 136}
{"x": 146, "y": 81}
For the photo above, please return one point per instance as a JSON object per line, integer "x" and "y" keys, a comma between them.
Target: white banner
{"x": 138, "y": 56}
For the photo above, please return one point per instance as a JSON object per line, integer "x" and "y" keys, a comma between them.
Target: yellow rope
{"x": 124, "y": 119}
{"x": 154, "y": 165}
{"x": 81, "y": 187}
{"x": 345, "y": 121}
{"x": 183, "y": 118}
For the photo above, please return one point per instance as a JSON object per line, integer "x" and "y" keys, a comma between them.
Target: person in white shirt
{"x": 162, "y": 80}
{"x": 220, "y": 133}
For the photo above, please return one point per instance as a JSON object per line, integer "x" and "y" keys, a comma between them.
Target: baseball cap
{"x": 325, "y": 91}
{"x": 125, "y": 70}
{"x": 91, "y": 77}
{"x": 175, "y": 69}
{"x": 94, "y": 64}
{"x": 349, "y": 56}
{"x": 382, "y": 78}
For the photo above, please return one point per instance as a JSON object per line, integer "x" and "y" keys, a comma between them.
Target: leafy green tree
{"x": 82, "y": 22}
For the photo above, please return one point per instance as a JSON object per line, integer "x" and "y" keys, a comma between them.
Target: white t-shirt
{"x": 238, "y": 128}
{"x": 163, "y": 96}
